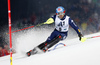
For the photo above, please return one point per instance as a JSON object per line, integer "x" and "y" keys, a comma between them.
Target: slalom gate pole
{"x": 26, "y": 28}
{"x": 10, "y": 37}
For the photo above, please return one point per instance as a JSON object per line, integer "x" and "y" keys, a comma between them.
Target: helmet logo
{"x": 59, "y": 9}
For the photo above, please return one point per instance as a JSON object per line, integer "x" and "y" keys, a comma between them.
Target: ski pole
{"x": 84, "y": 38}
{"x": 26, "y": 28}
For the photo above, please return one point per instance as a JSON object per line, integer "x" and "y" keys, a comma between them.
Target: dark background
{"x": 25, "y": 8}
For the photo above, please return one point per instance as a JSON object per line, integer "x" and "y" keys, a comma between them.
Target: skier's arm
{"x": 75, "y": 27}
{"x": 49, "y": 21}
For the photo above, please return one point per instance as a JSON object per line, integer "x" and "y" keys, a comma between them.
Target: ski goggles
{"x": 61, "y": 13}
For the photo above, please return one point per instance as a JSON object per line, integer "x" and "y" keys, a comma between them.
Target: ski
{"x": 38, "y": 51}
{"x": 56, "y": 46}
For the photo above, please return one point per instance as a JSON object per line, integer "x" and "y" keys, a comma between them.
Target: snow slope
{"x": 75, "y": 53}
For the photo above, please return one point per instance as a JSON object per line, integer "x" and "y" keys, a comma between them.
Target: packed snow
{"x": 74, "y": 53}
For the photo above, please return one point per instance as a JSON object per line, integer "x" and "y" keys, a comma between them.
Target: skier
{"x": 62, "y": 23}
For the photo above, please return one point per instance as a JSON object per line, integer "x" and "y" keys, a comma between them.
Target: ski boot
{"x": 31, "y": 52}
{"x": 28, "y": 53}
{"x": 36, "y": 50}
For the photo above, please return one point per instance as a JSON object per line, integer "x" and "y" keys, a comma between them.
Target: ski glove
{"x": 80, "y": 36}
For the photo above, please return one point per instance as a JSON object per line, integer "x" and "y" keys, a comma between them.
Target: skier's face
{"x": 61, "y": 15}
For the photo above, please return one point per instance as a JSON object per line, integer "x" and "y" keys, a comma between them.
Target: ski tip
{"x": 64, "y": 44}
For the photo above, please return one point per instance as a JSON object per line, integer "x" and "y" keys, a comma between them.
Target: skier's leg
{"x": 50, "y": 38}
{"x": 43, "y": 47}
{"x": 52, "y": 42}
{"x": 54, "y": 38}
{"x": 59, "y": 36}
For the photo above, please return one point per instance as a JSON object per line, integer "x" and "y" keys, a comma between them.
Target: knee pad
{"x": 60, "y": 37}
{"x": 63, "y": 36}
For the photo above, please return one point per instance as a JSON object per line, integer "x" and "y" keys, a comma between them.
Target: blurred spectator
{"x": 99, "y": 23}
{"x": 3, "y": 52}
{"x": 84, "y": 27}
{"x": 1, "y": 41}
{"x": 95, "y": 15}
{"x": 77, "y": 20}
{"x": 19, "y": 25}
{"x": 99, "y": 27}
{"x": 25, "y": 22}
{"x": 89, "y": 1}
{"x": 8, "y": 49}
{"x": 33, "y": 19}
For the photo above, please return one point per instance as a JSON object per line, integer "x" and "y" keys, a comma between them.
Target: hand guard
{"x": 80, "y": 36}
{"x": 49, "y": 21}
